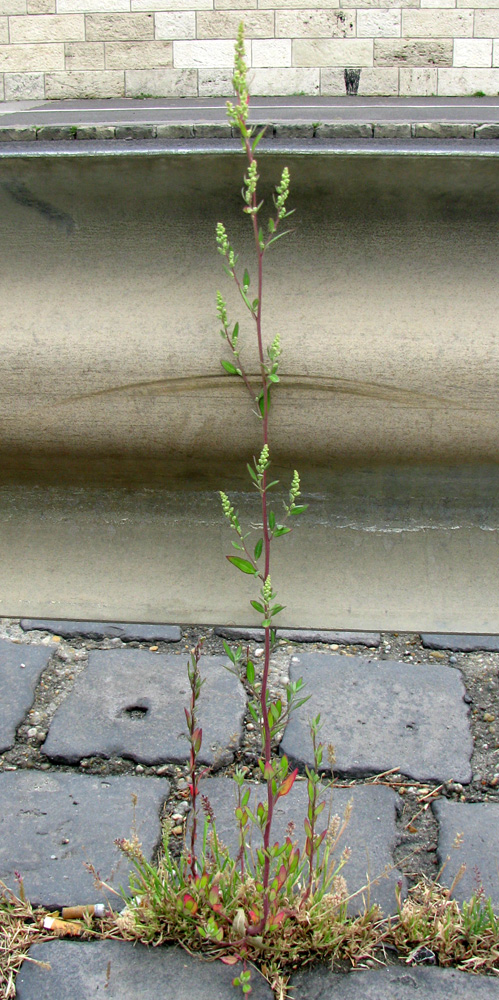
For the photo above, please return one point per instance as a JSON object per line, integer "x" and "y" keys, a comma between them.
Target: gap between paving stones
{"x": 416, "y": 823}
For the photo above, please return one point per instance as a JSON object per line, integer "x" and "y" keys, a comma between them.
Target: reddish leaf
{"x": 229, "y": 959}
{"x": 287, "y": 783}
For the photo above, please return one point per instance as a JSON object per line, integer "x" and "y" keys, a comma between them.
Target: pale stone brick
{"x": 463, "y": 82}
{"x": 161, "y": 82}
{"x": 345, "y": 130}
{"x": 437, "y": 23}
{"x": 476, "y": 3}
{"x": 31, "y": 58}
{"x": 187, "y": 55}
{"x": 215, "y": 83}
{"x": 284, "y": 82}
{"x": 315, "y": 23}
{"x": 18, "y": 134}
{"x": 472, "y": 52}
{"x": 441, "y": 3}
{"x": 153, "y": 5}
{"x": 41, "y": 6}
{"x": 138, "y": 55}
{"x": 12, "y": 6}
{"x": 495, "y": 57}
{"x": 220, "y": 24}
{"x": 486, "y": 23}
{"x": 332, "y": 82}
{"x": 378, "y": 23}
{"x": 333, "y": 52}
{"x": 271, "y": 52}
{"x": 409, "y": 52}
{"x": 379, "y": 82}
{"x": 91, "y": 84}
{"x": 235, "y": 5}
{"x": 399, "y": 4}
{"x": 372, "y": 83}
{"x": 2, "y": 88}
{"x": 303, "y": 4}
{"x": 175, "y": 24}
{"x": 119, "y": 27}
{"x": 51, "y": 28}
{"x": 4, "y": 31}
{"x": 84, "y": 55}
{"x": 24, "y": 86}
{"x": 86, "y": 6}
{"x": 419, "y": 82}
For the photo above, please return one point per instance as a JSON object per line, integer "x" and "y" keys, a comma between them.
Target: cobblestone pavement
{"x": 92, "y": 716}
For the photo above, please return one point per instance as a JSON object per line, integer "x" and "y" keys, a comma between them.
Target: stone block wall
{"x": 184, "y": 48}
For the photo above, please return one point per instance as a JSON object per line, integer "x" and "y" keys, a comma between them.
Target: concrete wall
{"x": 184, "y": 48}
{"x": 117, "y": 423}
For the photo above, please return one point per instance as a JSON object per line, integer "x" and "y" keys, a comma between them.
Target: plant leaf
{"x": 258, "y": 552}
{"x": 229, "y": 367}
{"x": 287, "y": 783}
{"x": 246, "y": 280}
{"x": 281, "y": 530}
{"x": 243, "y": 564}
{"x": 258, "y": 607}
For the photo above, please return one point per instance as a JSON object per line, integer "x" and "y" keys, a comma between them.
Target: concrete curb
{"x": 286, "y": 130}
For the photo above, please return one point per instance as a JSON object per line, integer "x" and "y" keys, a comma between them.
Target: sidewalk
{"x": 94, "y": 715}
{"x": 296, "y": 118}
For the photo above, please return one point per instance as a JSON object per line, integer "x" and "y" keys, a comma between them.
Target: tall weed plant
{"x": 265, "y": 904}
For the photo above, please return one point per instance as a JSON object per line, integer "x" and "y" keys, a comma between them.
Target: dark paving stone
{"x": 379, "y": 714}
{"x": 104, "y": 630}
{"x": 302, "y": 635}
{"x": 119, "y": 970}
{"x": 461, "y": 643}
{"x": 130, "y": 703}
{"x": 51, "y": 824}
{"x": 395, "y": 983}
{"x": 371, "y": 833}
{"x": 478, "y": 822}
{"x": 20, "y": 669}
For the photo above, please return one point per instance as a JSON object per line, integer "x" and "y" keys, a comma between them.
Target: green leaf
{"x": 299, "y": 508}
{"x": 267, "y": 623}
{"x": 281, "y": 530}
{"x": 229, "y": 651}
{"x": 278, "y": 237}
{"x": 258, "y": 548}
{"x": 253, "y": 712}
{"x": 271, "y": 226}
{"x": 250, "y": 672}
{"x": 255, "y": 305}
{"x": 271, "y": 520}
{"x": 273, "y": 378}
{"x": 229, "y": 367}
{"x": 235, "y": 333}
{"x": 246, "y": 281}
{"x": 236, "y": 545}
{"x": 252, "y": 472}
{"x": 243, "y": 564}
{"x": 255, "y": 142}
{"x": 277, "y": 609}
{"x": 258, "y": 607}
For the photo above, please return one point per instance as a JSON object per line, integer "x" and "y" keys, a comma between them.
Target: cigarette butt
{"x": 62, "y": 927}
{"x": 78, "y": 912}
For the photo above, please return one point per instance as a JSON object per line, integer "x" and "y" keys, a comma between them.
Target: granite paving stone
{"x": 394, "y": 983}
{"x": 130, "y": 703}
{"x": 461, "y": 643}
{"x": 478, "y": 823}
{"x": 51, "y": 824}
{"x": 380, "y": 714}
{"x": 371, "y": 833}
{"x": 20, "y": 668}
{"x": 119, "y": 970}
{"x": 372, "y": 639}
{"x": 129, "y": 632}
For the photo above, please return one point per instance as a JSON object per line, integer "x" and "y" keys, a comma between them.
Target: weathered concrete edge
{"x": 450, "y": 148}
{"x": 282, "y": 130}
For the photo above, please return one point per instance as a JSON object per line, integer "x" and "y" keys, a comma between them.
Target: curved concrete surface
{"x": 386, "y": 300}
